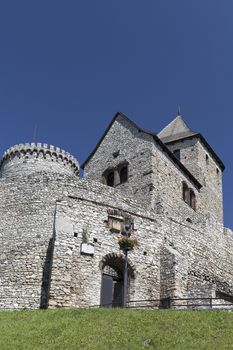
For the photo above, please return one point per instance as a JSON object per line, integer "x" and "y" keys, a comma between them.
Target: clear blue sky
{"x": 68, "y": 66}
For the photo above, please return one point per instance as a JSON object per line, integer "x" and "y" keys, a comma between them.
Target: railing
{"x": 177, "y": 303}
{"x": 198, "y": 303}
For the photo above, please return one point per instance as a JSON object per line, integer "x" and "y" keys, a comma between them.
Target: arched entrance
{"x": 112, "y": 285}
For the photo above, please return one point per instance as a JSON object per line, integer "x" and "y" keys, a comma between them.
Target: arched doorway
{"x": 112, "y": 285}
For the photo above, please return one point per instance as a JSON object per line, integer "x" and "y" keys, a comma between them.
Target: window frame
{"x": 189, "y": 196}
{"x": 117, "y": 176}
{"x": 123, "y": 179}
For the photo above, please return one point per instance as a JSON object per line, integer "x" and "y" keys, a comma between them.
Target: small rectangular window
{"x": 124, "y": 174}
{"x": 110, "y": 179}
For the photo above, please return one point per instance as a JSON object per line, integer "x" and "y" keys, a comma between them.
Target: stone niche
{"x": 119, "y": 222}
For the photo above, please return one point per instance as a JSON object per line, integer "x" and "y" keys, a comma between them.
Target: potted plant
{"x": 126, "y": 243}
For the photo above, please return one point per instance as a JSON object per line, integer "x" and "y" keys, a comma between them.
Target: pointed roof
{"x": 176, "y": 130}
{"x": 179, "y": 130}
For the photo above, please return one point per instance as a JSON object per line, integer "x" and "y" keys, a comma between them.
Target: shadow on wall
{"x": 46, "y": 277}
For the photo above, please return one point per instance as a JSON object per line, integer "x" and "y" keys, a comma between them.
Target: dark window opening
{"x": 189, "y": 196}
{"x": 124, "y": 174}
{"x": 207, "y": 159}
{"x": 177, "y": 153}
{"x": 186, "y": 195}
{"x": 192, "y": 200}
{"x": 114, "y": 177}
{"x": 110, "y": 179}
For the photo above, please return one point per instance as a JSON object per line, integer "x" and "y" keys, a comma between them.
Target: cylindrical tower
{"x": 33, "y": 178}
{"x": 28, "y": 158}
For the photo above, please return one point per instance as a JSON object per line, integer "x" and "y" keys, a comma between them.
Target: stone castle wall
{"x": 202, "y": 165}
{"x": 154, "y": 179}
{"x": 27, "y": 207}
{"x": 40, "y": 255}
{"x": 132, "y": 146}
{"x": 44, "y": 207}
{"x": 82, "y": 285}
{"x": 40, "y": 247}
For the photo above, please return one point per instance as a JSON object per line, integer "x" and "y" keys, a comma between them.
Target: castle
{"x": 59, "y": 233}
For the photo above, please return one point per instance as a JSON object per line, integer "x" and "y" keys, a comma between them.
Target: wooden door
{"x": 106, "y": 291}
{"x": 117, "y": 294}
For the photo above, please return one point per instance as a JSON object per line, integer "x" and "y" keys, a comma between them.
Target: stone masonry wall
{"x": 198, "y": 160}
{"x": 168, "y": 190}
{"x": 134, "y": 147}
{"x": 38, "y": 242}
{"x": 154, "y": 179}
{"x": 43, "y": 212}
{"x": 26, "y": 228}
{"x": 82, "y": 284}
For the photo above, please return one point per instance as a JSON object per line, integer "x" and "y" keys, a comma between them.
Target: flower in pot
{"x": 126, "y": 243}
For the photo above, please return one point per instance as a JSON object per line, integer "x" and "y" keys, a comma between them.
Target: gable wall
{"x": 134, "y": 147}
{"x": 154, "y": 179}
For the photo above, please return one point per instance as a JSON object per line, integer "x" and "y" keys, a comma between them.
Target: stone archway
{"x": 112, "y": 267}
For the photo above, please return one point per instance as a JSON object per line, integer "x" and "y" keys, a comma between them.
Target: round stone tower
{"x": 33, "y": 179}
{"x": 24, "y": 159}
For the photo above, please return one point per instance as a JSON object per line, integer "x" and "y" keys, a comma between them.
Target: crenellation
{"x": 37, "y": 156}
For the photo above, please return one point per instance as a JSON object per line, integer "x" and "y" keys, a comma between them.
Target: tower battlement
{"x": 34, "y": 157}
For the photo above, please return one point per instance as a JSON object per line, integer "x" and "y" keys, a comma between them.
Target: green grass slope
{"x": 115, "y": 329}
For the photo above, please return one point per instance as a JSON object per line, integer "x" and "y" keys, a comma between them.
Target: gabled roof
{"x": 156, "y": 139}
{"x": 176, "y": 130}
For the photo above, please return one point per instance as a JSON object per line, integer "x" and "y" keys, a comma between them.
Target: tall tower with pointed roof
{"x": 199, "y": 158}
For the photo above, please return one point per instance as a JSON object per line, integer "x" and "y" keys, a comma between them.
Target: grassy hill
{"x": 115, "y": 329}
